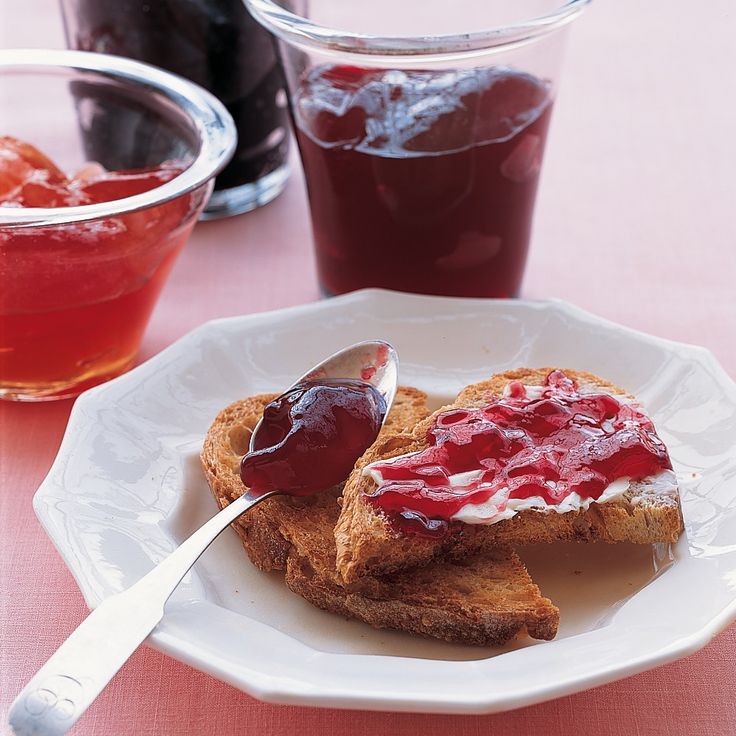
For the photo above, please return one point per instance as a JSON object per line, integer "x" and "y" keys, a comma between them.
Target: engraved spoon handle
{"x": 62, "y": 690}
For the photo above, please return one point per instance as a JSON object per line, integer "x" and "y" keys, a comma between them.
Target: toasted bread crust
{"x": 485, "y": 601}
{"x": 367, "y": 545}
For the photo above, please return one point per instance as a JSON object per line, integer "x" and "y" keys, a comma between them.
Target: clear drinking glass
{"x": 421, "y": 128}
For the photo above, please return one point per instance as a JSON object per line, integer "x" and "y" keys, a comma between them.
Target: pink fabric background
{"x": 635, "y": 221}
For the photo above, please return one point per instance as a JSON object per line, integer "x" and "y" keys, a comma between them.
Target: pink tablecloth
{"x": 635, "y": 222}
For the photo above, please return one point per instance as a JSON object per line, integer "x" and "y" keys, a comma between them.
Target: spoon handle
{"x": 62, "y": 690}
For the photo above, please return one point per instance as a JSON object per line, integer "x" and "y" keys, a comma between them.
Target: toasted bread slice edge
{"x": 433, "y": 605}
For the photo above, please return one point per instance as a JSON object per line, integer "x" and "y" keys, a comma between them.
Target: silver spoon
{"x": 62, "y": 690}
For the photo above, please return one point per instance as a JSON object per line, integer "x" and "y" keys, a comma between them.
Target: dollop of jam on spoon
{"x": 311, "y": 436}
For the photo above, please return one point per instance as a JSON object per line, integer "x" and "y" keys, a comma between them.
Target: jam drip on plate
{"x": 539, "y": 444}
{"x": 312, "y": 435}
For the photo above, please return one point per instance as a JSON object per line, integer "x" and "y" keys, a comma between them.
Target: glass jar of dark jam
{"x": 218, "y": 45}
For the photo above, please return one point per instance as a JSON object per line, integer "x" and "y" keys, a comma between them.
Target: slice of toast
{"x": 368, "y": 545}
{"x": 485, "y": 600}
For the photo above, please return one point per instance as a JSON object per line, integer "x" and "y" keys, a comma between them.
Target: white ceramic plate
{"x": 127, "y": 487}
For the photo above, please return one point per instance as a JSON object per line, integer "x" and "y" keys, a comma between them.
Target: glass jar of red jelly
{"x": 86, "y": 245}
{"x": 421, "y": 128}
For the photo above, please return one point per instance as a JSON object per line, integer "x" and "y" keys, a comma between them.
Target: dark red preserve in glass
{"x": 422, "y": 180}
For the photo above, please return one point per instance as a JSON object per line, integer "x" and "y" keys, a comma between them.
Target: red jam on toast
{"x": 540, "y": 444}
